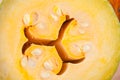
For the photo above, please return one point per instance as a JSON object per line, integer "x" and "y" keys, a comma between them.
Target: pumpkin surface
{"x": 58, "y": 40}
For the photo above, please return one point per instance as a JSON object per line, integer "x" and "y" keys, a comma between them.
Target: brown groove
{"x": 25, "y": 46}
{"x": 61, "y": 31}
{"x": 36, "y": 40}
{"x": 63, "y": 69}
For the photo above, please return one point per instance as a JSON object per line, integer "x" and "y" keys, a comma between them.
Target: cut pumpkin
{"x": 58, "y": 40}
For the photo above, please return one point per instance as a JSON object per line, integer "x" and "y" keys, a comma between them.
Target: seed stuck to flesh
{"x": 58, "y": 11}
{"x": 34, "y": 18}
{"x": 40, "y": 26}
{"x": 54, "y": 17}
{"x": 86, "y": 47}
{"x": 36, "y": 52}
{"x": 75, "y": 49}
{"x": 45, "y": 74}
{"x": 31, "y": 63}
{"x": 24, "y": 61}
{"x": 85, "y": 24}
{"x": 26, "y": 19}
{"x": 48, "y": 65}
{"x": 81, "y": 31}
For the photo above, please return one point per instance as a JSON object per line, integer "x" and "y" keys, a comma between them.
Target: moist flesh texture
{"x": 102, "y": 34}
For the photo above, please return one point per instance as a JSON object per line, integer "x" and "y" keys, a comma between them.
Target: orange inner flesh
{"x": 44, "y": 57}
{"x": 56, "y": 38}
